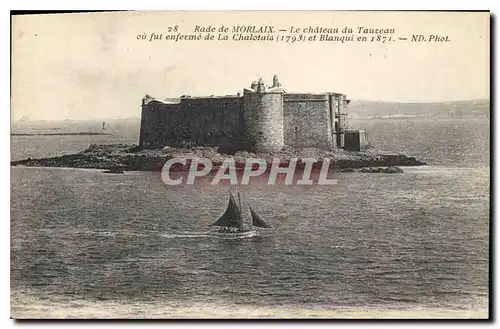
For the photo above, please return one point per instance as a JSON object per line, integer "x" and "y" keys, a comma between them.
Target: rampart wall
{"x": 207, "y": 121}
{"x": 307, "y": 120}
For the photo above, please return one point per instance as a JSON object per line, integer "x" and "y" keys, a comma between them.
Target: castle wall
{"x": 263, "y": 121}
{"x": 209, "y": 121}
{"x": 153, "y": 122}
{"x": 308, "y": 120}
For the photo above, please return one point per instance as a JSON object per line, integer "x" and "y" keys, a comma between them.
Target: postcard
{"x": 250, "y": 165}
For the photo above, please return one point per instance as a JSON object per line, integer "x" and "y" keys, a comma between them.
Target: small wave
{"x": 233, "y": 237}
{"x": 63, "y": 232}
{"x": 429, "y": 169}
{"x": 109, "y": 233}
{"x": 206, "y": 234}
{"x": 106, "y": 233}
{"x": 185, "y": 235}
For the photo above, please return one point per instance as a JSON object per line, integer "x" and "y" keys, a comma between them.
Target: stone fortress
{"x": 262, "y": 119}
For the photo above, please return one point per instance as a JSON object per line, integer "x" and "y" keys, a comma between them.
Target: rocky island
{"x": 126, "y": 157}
{"x": 263, "y": 122}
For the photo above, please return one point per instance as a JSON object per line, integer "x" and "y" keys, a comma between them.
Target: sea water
{"x": 89, "y": 245}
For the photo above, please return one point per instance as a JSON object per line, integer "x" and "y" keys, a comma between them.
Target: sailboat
{"x": 231, "y": 224}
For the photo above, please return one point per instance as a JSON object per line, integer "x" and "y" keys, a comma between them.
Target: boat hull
{"x": 234, "y": 235}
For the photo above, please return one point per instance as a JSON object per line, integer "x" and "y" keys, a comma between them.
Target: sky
{"x": 93, "y": 66}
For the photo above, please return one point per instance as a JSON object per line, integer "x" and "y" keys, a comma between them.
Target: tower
{"x": 276, "y": 82}
{"x": 263, "y": 119}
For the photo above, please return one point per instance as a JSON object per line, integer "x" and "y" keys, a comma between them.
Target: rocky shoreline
{"x": 123, "y": 157}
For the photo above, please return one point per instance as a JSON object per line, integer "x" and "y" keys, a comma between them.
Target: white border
{"x": 184, "y": 5}
{"x": 254, "y": 5}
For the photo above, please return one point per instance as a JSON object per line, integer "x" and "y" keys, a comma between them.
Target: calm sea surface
{"x": 87, "y": 244}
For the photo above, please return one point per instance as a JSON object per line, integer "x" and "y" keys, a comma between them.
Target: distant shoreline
{"x": 60, "y": 134}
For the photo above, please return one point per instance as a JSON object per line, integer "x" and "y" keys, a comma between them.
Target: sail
{"x": 257, "y": 219}
{"x": 232, "y": 216}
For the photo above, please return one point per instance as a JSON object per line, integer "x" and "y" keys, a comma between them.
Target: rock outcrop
{"x": 388, "y": 170}
{"x": 131, "y": 158}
